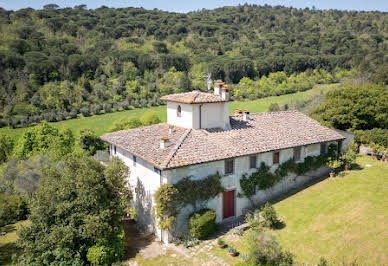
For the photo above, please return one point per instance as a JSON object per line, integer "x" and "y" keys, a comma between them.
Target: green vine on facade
{"x": 170, "y": 198}
{"x": 263, "y": 178}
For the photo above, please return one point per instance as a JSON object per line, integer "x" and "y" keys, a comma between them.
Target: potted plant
{"x": 333, "y": 165}
{"x": 221, "y": 243}
{"x": 348, "y": 158}
{"x": 232, "y": 251}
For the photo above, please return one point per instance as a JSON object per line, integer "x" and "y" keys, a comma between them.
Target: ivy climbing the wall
{"x": 170, "y": 198}
{"x": 263, "y": 178}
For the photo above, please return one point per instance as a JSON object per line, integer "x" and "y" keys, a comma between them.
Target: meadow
{"x": 102, "y": 123}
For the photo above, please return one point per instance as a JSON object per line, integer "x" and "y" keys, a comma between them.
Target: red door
{"x": 228, "y": 204}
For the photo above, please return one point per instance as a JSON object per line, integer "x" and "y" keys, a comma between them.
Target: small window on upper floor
{"x": 229, "y": 167}
{"x": 276, "y": 156}
{"x": 253, "y": 161}
{"x": 297, "y": 153}
{"x": 323, "y": 148}
{"x": 179, "y": 111}
{"x": 134, "y": 160}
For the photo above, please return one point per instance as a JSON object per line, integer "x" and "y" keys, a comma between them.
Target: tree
{"x": 90, "y": 142}
{"x": 149, "y": 118}
{"x": 6, "y": 147}
{"x": 78, "y": 205}
{"x": 44, "y": 139}
{"x": 361, "y": 107}
{"x": 50, "y": 6}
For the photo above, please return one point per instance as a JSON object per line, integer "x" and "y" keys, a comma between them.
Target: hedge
{"x": 202, "y": 223}
{"x": 376, "y": 135}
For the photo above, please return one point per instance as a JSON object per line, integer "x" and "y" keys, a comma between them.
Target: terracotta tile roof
{"x": 262, "y": 132}
{"x": 193, "y": 97}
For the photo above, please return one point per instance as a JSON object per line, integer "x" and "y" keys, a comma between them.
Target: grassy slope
{"x": 341, "y": 218}
{"x": 102, "y": 123}
{"x": 8, "y": 241}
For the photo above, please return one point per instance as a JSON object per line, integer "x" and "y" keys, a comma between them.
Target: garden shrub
{"x": 265, "y": 250}
{"x": 269, "y": 214}
{"x": 202, "y": 223}
{"x": 107, "y": 252}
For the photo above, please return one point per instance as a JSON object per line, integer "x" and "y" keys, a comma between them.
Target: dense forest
{"x": 56, "y": 63}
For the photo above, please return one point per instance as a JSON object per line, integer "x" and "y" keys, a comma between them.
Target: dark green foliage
{"x": 13, "y": 208}
{"x": 170, "y": 198}
{"x": 376, "y": 135}
{"x": 45, "y": 70}
{"x": 265, "y": 250}
{"x": 90, "y": 141}
{"x": 362, "y": 107}
{"x": 107, "y": 252}
{"x": 263, "y": 178}
{"x": 202, "y": 223}
{"x": 6, "y": 147}
{"x": 79, "y": 203}
{"x": 269, "y": 214}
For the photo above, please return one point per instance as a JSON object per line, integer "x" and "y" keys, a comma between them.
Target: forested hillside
{"x": 56, "y": 63}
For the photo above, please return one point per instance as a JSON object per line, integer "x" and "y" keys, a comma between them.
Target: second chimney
{"x": 164, "y": 142}
{"x": 246, "y": 115}
{"x": 225, "y": 92}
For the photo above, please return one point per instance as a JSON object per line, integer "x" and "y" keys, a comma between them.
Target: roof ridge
{"x": 177, "y": 146}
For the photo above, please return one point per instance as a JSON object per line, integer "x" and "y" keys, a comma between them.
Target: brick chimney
{"x": 164, "y": 142}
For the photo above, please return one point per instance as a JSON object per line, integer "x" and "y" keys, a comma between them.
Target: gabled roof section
{"x": 193, "y": 97}
{"x": 262, "y": 132}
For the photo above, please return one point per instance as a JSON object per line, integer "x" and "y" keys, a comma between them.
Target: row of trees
{"x": 57, "y": 63}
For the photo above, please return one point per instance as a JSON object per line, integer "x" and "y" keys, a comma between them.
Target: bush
{"x": 202, "y": 223}
{"x": 13, "y": 208}
{"x": 265, "y": 250}
{"x": 90, "y": 141}
{"x": 269, "y": 214}
{"x": 107, "y": 252}
{"x": 6, "y": 147}
{"x": 149, "y": 118}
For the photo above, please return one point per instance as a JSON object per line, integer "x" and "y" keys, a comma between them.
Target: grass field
{"x": 102, "y": 123}
{"x": 343, "y": 219}
{"x": 8, "y": 242}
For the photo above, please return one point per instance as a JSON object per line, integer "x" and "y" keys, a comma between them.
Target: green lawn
{"x": 344, "y": 218}
{"x": 8, "y": 242}
{"x": 102, "y": 123}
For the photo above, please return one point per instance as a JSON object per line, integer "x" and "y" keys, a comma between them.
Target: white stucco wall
{"x": 187, "y": 118}
{"x": 144, "y": 182}
{"x": 213, "y": 115}
{"x": 232, "y": 181}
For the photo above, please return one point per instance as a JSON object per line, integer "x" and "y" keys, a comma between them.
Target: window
{"x": 253, "y": 161}
{"x": 297, "y": 152}
{"x": 276, "y": 157}
{"x": 323, "y": 148}
{"x": 114, "y": 149}
{"x": 179, "y": 111}
{"x": 134, "y": 160}
{"x": 229, "y": 166}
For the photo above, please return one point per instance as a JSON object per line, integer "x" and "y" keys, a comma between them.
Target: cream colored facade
{"x": 145, "y": 180}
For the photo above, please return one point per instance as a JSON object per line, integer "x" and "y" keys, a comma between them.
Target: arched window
{"x": 179, "y": 111}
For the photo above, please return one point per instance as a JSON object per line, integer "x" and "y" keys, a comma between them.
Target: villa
{"x": 200, "y": 138}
